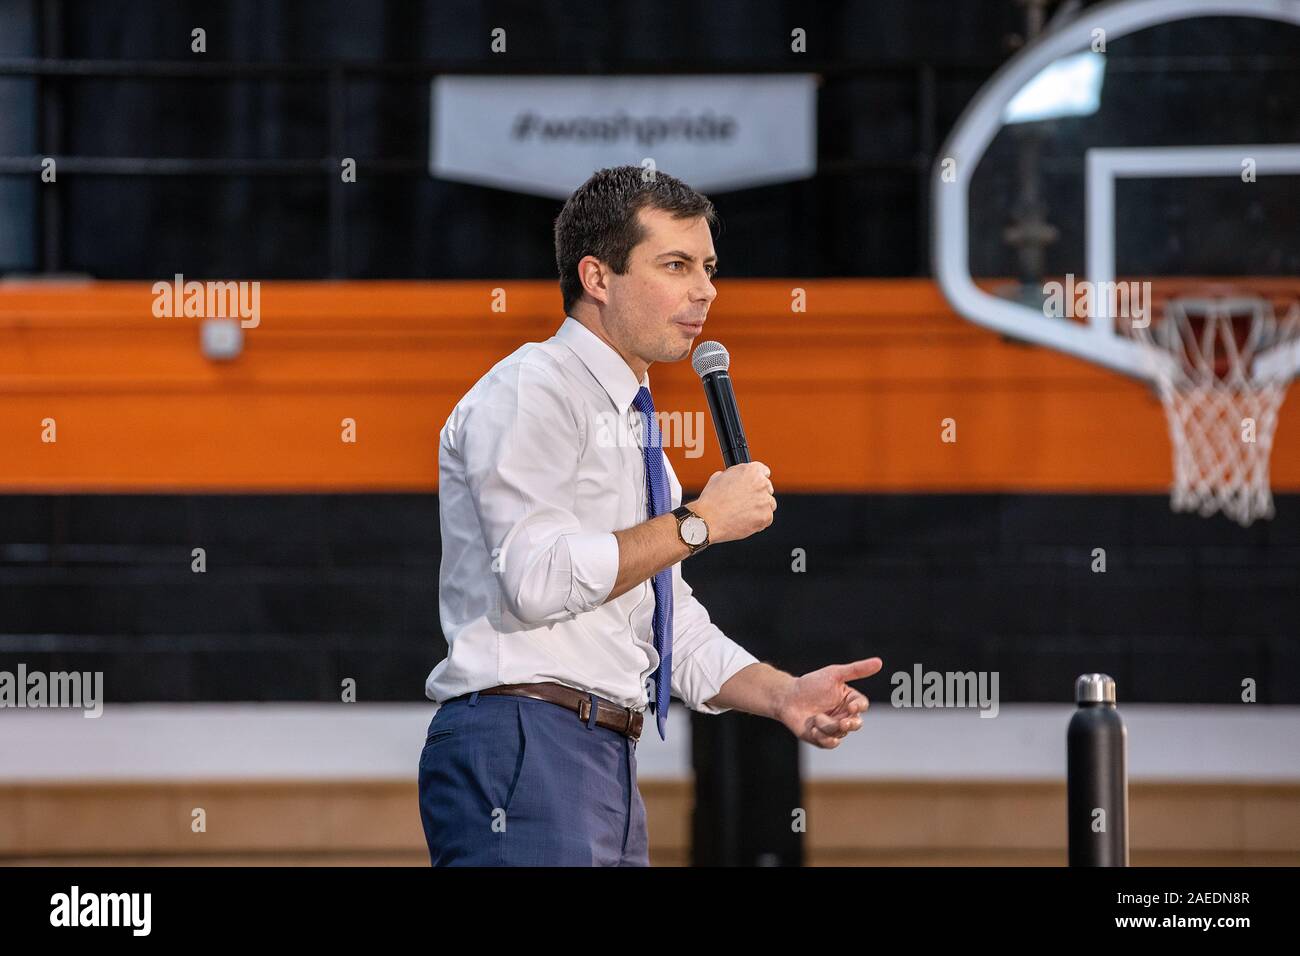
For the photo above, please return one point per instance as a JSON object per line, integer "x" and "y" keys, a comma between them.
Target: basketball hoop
{"x": 1221, "y": 407}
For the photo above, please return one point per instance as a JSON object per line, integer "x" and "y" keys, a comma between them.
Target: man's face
{"x": 658, "y": 307}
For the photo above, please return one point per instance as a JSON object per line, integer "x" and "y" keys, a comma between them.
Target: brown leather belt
{"x": 625, "y": 720}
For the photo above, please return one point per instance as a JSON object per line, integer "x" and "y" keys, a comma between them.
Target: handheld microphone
{"x": 711, "y": 363}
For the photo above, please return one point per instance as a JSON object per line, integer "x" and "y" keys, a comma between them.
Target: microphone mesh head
{"x": 710, "y": 357}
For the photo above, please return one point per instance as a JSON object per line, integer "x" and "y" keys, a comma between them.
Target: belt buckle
{"x": 632, "y": 714}
{"x": 584, "y": 714}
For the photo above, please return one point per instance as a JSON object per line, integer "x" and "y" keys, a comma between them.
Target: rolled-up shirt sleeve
{"x": 704, "y": 658}
{"x": 521, "y": 445}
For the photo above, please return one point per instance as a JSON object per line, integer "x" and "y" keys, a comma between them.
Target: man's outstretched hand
{"x": 822, "y": 708}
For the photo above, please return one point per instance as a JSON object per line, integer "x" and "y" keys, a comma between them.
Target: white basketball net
{"x": 1221, "y": 419}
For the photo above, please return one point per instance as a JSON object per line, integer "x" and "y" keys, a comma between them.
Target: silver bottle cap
{"x": 1094, "y": 689}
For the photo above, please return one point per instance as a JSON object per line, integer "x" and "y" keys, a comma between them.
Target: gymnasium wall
{"x": 322, "y": 555}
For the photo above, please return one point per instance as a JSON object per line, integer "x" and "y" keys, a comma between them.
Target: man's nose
{"x": 706, "y": 290}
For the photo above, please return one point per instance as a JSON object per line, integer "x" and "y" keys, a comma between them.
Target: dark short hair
{"x": 600, "y": 219}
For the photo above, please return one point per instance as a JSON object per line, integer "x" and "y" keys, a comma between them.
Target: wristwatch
{"x": 692, "y": 529}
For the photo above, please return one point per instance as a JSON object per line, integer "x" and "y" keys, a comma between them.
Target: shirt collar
{"x": 603, "y": 362}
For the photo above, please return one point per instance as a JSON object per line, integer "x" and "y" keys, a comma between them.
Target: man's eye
{"x": 711, "y": 271}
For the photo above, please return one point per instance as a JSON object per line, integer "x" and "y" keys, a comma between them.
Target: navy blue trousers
{"x": 513, "y": 781}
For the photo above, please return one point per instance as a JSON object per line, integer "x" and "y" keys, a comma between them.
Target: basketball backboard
{"x": 1152, "y": 140}
{"x": 1126, "y": 190}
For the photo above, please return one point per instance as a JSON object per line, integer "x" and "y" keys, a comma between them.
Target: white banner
{"x": 546, "y": 134}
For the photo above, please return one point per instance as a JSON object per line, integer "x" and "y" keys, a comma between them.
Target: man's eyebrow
{"x": 685, "y": 255}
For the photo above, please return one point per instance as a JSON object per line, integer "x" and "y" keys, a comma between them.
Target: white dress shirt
{"x": 535, "y": 475}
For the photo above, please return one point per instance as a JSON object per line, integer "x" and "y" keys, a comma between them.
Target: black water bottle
{"x": 1097, "y": 776}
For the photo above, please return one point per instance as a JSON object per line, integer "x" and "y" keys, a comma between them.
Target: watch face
{"x": 694, "y": 530}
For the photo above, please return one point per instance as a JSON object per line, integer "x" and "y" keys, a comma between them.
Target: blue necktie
{"x": 656, "y": 480}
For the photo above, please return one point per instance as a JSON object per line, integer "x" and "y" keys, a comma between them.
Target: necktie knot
{"x": 644, "y": 403}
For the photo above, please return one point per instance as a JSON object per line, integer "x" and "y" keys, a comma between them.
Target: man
{"x": 561, "y": 596}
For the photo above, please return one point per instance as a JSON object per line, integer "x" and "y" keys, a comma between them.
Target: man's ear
{"x": 593, "y": 275}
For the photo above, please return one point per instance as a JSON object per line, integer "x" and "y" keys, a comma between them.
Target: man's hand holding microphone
{"x": 737, "y": 502}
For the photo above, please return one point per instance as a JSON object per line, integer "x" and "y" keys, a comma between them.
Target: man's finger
{"x": 836, "y": 727}
{"x": 852, "y": 704}
{"x": 823, "y": 740}
{"x": 842, "y": 728}
{"x": 859, "y": 669}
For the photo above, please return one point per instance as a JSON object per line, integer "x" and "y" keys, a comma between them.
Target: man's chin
{"x": 690, "y": 336}
{"x": 680, "y": 352}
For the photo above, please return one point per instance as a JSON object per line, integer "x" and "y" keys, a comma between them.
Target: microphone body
{"x": 726, "y": 418}
{"x": 711, "y": 363}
